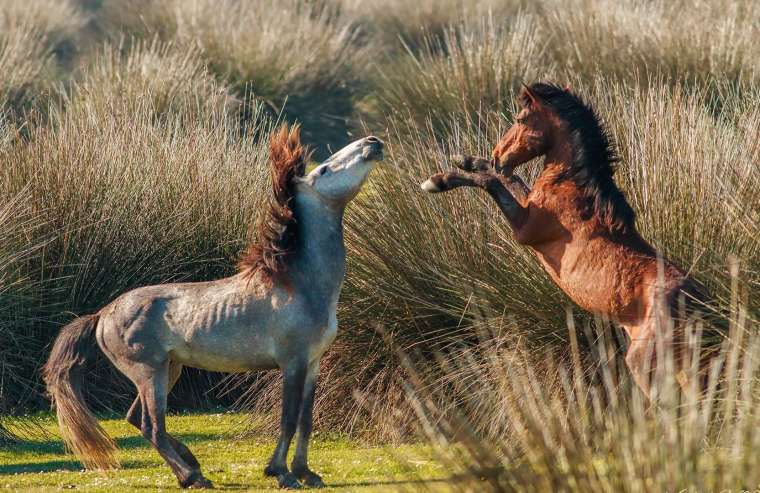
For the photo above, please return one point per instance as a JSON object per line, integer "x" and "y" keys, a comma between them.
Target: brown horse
{"x": 577, "y": 221}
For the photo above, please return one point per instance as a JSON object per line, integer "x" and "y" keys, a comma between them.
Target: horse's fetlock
{"x": 273, "y": 470}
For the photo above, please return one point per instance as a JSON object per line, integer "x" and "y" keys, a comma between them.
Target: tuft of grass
{"x": 22, "y": 302}
{"x": 396, "y": 25}
{"x": 32, "y": 37}
{"x": 299, "y": 57}
{"x": 469, "y": 69}
{"x": 639, "y": 39}
{"x": 162, "y": 79}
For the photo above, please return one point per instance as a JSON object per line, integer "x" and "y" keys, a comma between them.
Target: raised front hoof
{"x": 434, "y": 184}
{"x": 197, "y": 483}
{"x": 310, "y": 479}
{"x": 288, "y": 481}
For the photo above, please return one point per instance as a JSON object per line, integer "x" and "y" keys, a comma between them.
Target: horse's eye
{"x": 521, "y": 119}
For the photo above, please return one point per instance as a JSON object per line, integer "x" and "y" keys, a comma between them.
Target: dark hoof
{"x": 470, "y": 163}
{"x": 272, "y": 472}
{"x": 288, "y": 481}
{"x": 312, "y": 480}
{"x": 460, "y": 161}
{"x": 197, "y": 483}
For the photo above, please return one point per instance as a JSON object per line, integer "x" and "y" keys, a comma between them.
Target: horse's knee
{"x": 289, "y": 425}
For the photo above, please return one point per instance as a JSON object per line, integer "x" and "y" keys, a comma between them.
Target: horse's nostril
{"x": 373, "y": 140}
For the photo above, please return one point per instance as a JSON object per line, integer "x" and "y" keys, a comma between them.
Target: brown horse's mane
{"x": 594, "y": 157}
{"x": 266, "y": 257}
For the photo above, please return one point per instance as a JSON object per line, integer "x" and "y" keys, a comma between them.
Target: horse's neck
{"x": 318, "y": 265}
{"x": 557, "y": 161}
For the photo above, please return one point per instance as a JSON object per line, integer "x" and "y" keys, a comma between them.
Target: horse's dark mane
{"x": 594, "y": 156}
{"x": 266, "y": 257}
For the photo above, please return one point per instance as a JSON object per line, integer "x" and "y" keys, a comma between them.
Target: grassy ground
{"x": 231, "y": 463}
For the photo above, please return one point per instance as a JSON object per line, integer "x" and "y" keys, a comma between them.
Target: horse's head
{"x": 529, "y": 137}
{"x": 340, "y": 177}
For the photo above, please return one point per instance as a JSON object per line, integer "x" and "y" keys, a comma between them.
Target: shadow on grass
{"x": 56, "y": 447}
{"x": 354, "y": 484}
{"x": 62, "y": 465}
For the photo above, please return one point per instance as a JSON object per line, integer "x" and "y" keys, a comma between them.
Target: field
{"x": 233, "y": 463}
{"x": 133, "y": 152}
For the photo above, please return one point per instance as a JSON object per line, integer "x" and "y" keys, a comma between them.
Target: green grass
{"x": 231, "y": 463}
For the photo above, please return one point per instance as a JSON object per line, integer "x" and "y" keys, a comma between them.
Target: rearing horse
{"x": 279, "y": 311}
{"x": 577, "y": 221}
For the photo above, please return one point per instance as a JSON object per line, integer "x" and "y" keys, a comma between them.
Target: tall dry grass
{"x": 473, "y": 61}
{"x": 31, "y": 35}
{"x": 301, "y": 58}
{"x": 690, "y": 39}
{"x": 502, "y": 419}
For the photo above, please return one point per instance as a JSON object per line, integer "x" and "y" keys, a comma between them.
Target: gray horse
{"x": 279, "y": 311}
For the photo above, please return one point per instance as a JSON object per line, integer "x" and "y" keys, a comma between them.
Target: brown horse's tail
{"x": 63, "y": 374}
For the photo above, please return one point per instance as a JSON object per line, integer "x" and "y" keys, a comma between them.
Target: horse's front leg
{"x": 300, "y": 465}
{"x": 496, "y": 186}
{"x": 513, "y": 183}
{"x": 293, "y": 377}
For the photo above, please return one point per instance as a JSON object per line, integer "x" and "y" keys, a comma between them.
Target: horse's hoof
{"x": 312, "y": 480}
{"x": 309, "y": 477}
{"x": 197, "y": 483}
{"x": 288, "y": 481}
{"x": 272, "y": 472}
{"x": 460, "y": 161}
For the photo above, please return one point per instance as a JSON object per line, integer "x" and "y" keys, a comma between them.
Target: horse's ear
{"x": 528, "y": 98}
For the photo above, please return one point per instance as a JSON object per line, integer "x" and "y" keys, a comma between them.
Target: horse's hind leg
{"x": 134, "y": 417}
{"x": 152, "y": 385}
{"x": 293, "y": 377}
{"x": 640, "y": 357}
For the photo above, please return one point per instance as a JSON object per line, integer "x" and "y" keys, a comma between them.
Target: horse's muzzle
{"x": 372, "y": 149}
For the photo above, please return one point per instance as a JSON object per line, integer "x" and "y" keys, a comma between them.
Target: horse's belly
{"x": 226, "y": 350}
{"x": 230, "y": 361}
{"x": 590, "y": 280}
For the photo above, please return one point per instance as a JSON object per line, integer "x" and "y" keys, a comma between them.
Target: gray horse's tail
{"x": 63, "y": 374}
